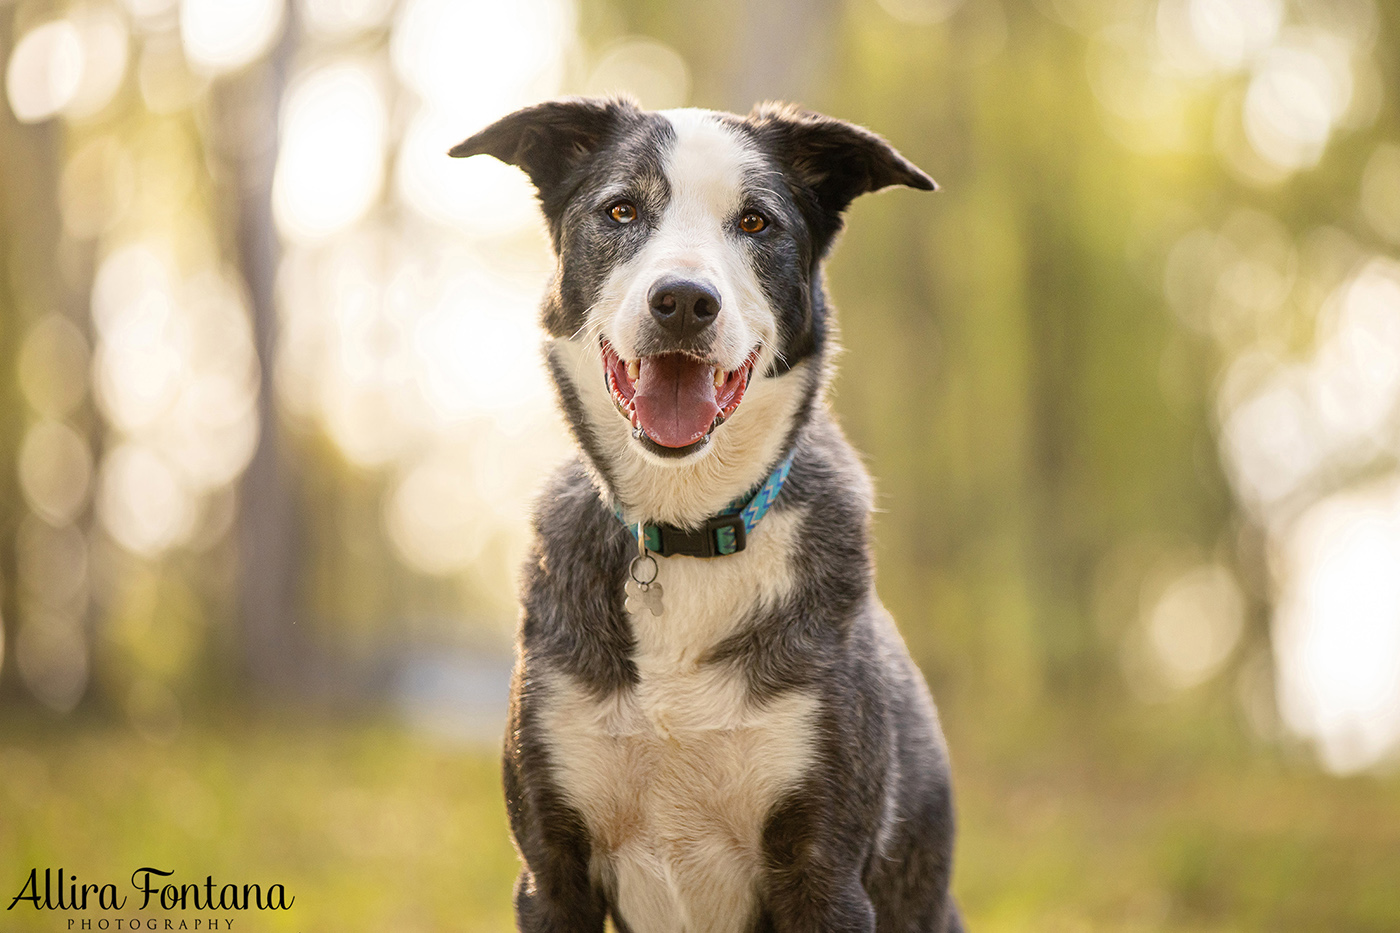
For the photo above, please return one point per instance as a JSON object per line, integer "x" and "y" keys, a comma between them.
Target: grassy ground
{"x": 371, "y": 829}
{"x": 1071, "y": 844}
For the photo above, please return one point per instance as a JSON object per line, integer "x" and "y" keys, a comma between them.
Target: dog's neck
{"x": 742, "y": 451}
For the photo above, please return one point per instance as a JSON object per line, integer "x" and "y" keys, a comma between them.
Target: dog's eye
{"x": 752, "y": 222}
{"x": 623, "y": 212}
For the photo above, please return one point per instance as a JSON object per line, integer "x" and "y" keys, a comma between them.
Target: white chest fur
{"x": 676, "y": 777}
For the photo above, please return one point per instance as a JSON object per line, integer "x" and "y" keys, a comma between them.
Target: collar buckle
{"x": 719, "y": 536}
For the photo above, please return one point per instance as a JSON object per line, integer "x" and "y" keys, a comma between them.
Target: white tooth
{"x": 634, "y": 369}
{"x": 719, "y": 378}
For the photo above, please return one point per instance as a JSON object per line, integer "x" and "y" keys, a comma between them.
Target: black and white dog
{"x": 714, "y": 724}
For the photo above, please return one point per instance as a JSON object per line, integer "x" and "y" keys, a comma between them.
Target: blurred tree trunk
{"x": 18, "y": 166}
{"x": 37, "y": 275}
{"x": 245, "y": 124}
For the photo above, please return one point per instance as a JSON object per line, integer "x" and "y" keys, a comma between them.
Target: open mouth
{"x": 675, "y": 400}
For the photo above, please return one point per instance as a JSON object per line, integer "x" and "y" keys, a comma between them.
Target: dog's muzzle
{"x": 674, "y": 400}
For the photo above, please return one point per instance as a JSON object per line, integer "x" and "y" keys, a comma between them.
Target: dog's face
{"x": 687, "y": 317}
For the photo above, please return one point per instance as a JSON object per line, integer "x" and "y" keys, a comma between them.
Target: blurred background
{"x": 272, "y": 411}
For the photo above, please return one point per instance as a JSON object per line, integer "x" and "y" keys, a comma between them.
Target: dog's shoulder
{"x": 570, "y": 500}
{"x": 828, "y": 478}
{"x": 577, "y": 540}
{"x": 571, "y": 585}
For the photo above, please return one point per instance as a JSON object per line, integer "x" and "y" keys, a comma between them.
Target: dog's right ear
{"x": 549, "y": 140}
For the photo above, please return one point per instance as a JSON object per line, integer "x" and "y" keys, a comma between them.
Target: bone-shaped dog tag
{"x": 643, "y": 596}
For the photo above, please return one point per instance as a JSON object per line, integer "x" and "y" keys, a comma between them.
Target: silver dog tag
{"x": 643, "y": 596}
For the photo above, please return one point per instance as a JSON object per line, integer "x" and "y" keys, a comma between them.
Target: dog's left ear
{"x": 549, "y": 140}
{"x": 838, "y": 161}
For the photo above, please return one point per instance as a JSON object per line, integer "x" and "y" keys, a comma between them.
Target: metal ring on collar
{"x": 655, "y": 570}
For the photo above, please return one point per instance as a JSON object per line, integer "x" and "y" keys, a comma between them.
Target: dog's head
{"x": 687, "y": 317}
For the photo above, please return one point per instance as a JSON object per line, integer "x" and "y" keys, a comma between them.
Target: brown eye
{"x": 623, "y": 212}
{"x": 752, "y": 222}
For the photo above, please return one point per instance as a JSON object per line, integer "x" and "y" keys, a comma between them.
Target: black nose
{"x": 683, "y": 308}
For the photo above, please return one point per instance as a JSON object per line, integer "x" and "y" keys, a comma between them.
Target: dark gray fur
{"x": 865, "y": 842}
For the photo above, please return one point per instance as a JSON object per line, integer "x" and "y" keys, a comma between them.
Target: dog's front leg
{"x": 845, "y": 909}
{"x": 544, "y": 907}
{"x": 812, "y": 875}
{"x": 555, "y": 892}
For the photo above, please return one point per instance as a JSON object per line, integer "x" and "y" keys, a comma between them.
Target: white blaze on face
{"x": 696, "y": 239}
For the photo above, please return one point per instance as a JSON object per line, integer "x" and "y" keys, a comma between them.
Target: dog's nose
{"x": 683, "y": 308}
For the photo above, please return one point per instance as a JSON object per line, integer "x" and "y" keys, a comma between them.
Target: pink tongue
{"x": 676, "y": 399}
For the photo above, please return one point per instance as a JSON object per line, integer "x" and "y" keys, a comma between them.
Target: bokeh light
{"x": 102, "y": 32}
{"x": 1357, "y": 366}
{"x": 650, "y": 71}
{"x": 1230, "y": 32}
{"x": 435, "y": 518}
{"x": 220, "y": 36}
{"x": 1337, "y": 633}
{"x": 337, "y": 19}
{"x": 167, "y": 83}
{"x": 480, "y": 197}
{"x": 516, "y": 54}
{"x": 1233, "y": 283}
{"x": 385, "y": 321}
{"x": 45, "y": 71}
{"x": 72, "y": 66}
{"x": 1271, "y": 441}
{"x": 1297, "y": 95}
{"x": 152, "y": 15}
{"x": 1195, "y": 624}
{"x": 143, "y": 339}
{"x": 55, "y": 471}
{"x": 53, "y": 363}
{"x": 330, "y": 164}
{"x": 175, "y": 372}
{"x": 1300, "y": 418}
{"x": 143, "y": 502}
{"x": 478, "y": 349}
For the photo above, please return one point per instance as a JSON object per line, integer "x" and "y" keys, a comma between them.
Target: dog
{"x": 714, "y": 724}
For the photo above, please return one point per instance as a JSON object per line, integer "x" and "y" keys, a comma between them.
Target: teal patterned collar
{"x": 725, "y": 533}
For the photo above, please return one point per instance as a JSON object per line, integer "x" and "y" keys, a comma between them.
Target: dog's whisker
{"x": 764, "y": 344}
